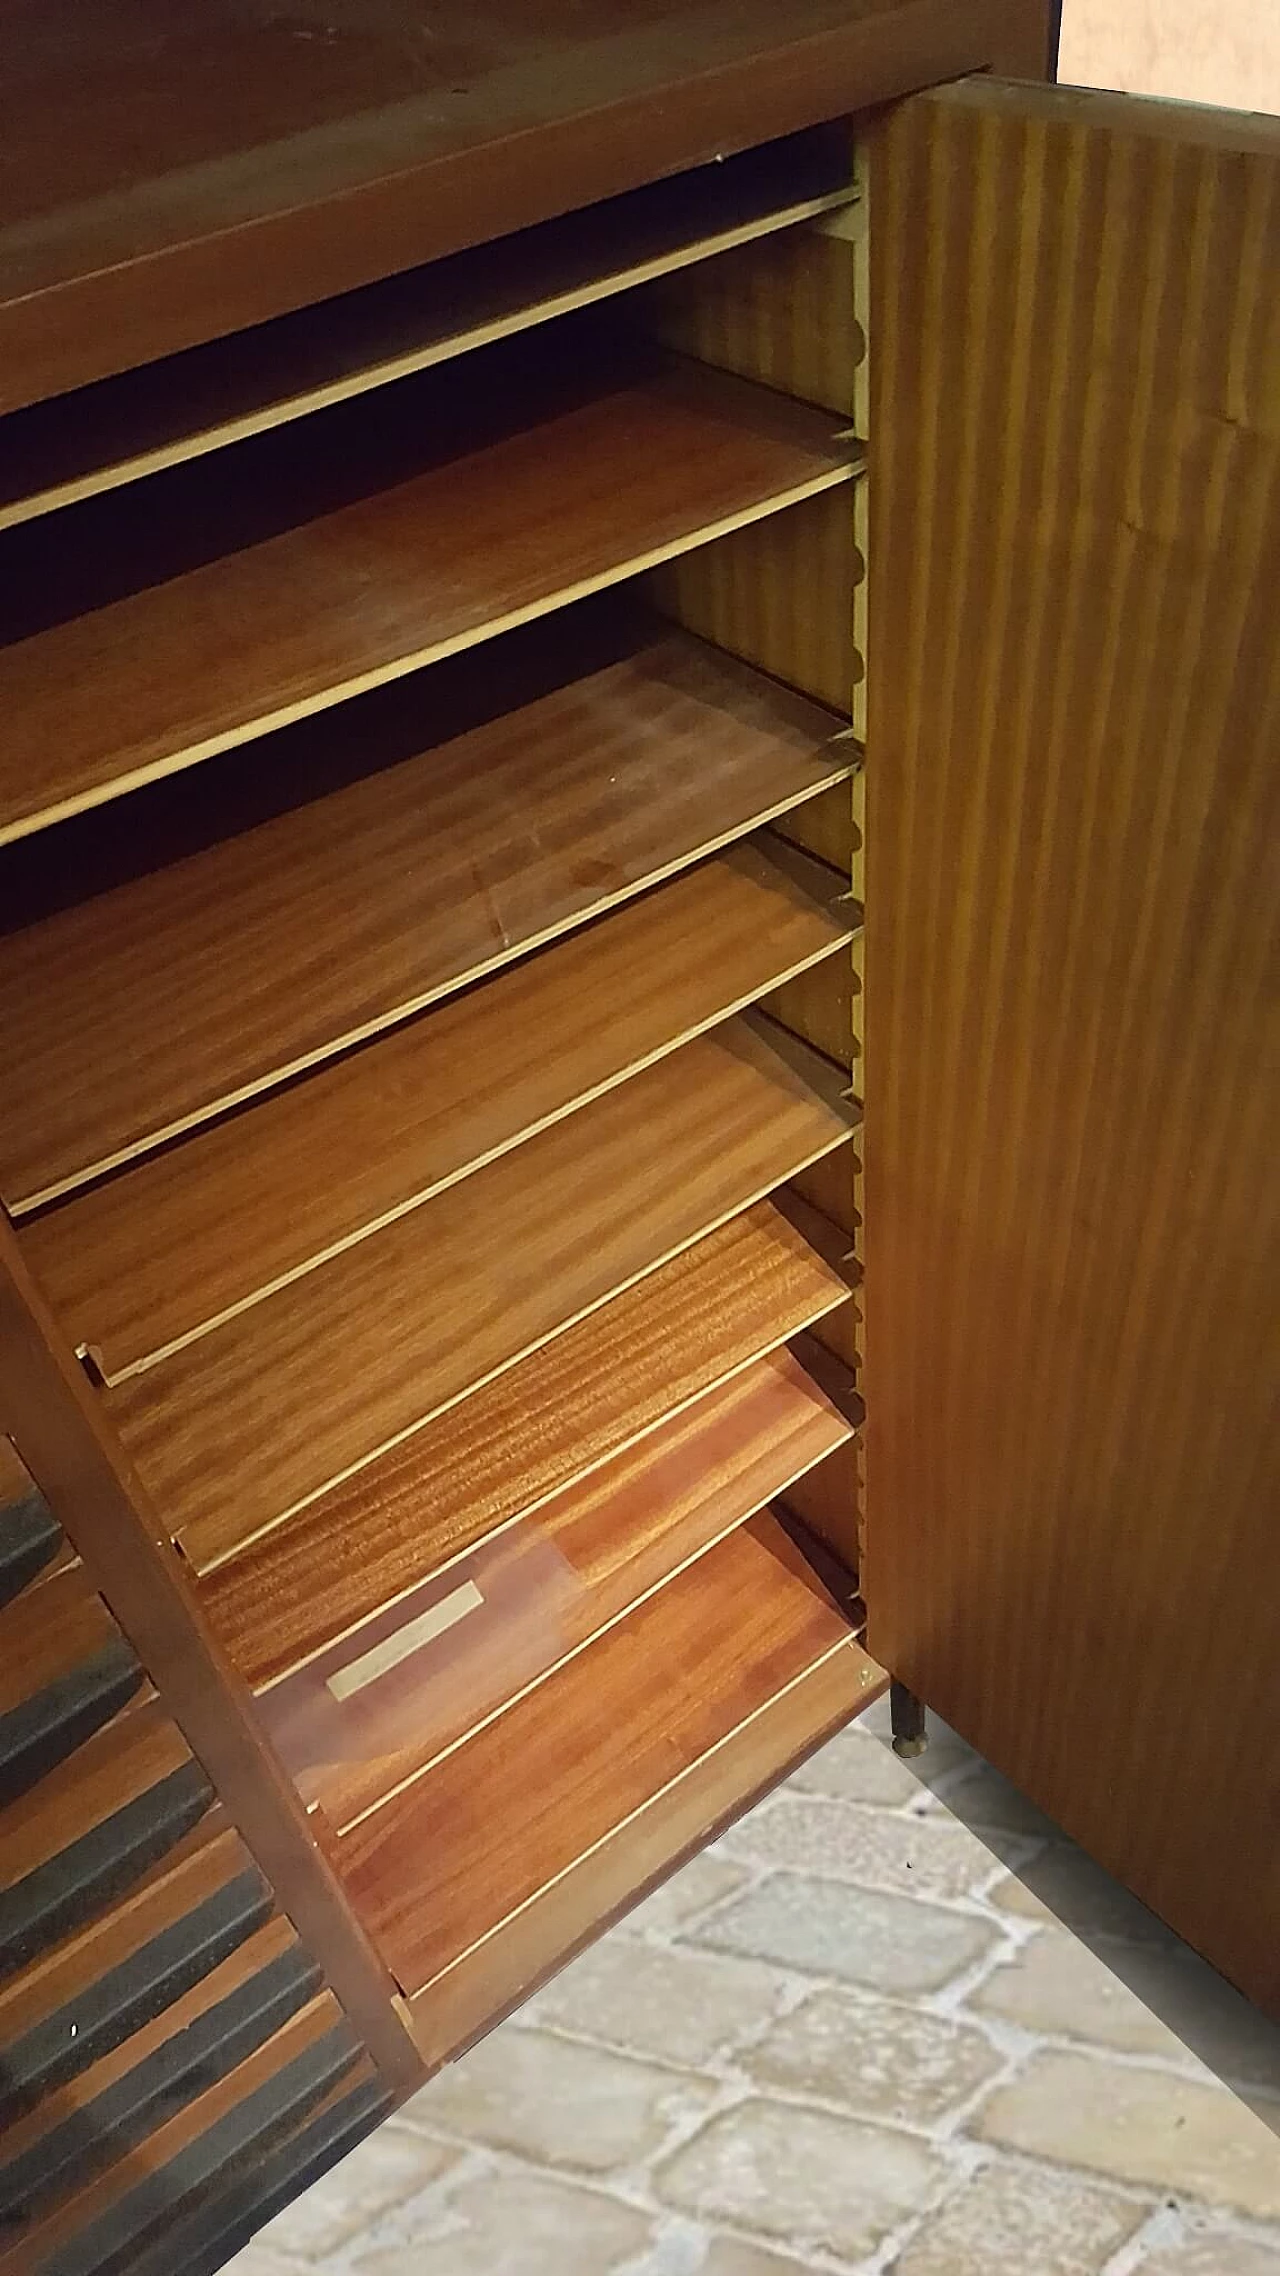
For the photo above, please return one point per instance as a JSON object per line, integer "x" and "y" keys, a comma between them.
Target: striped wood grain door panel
{"x": 1073, "y": 1239}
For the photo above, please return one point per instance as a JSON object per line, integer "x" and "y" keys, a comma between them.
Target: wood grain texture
{"x": 755, "y": 593}
{"x": 565, "y": 1766}
{"x": 780, "y": 312}
{"x": 47, "y": 1630}
{"x": 550, "y": 1420}
{"x": 79, "y": 2214}
{"x": 524, "y": 1601}
{"x": 320, "y": 1164}
{"x": 499, "y": 1973}
{"x": 72, "y": 2102}
{"x": 282, "y": 626}
{"x": 445, "y": 863}
{"x": 1073, "y": 1240}
{"x": 131, "y": 1755}
{"x": 212, "y": 1857}
{"x": 280, "y": 169}
{"x": 55, "y": 1419}
{"x": 122, "y": 429}
{"x": 284, "y": 1400}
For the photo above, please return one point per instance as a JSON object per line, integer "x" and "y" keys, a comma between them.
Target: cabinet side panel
{"x": 1073, "y": 1243}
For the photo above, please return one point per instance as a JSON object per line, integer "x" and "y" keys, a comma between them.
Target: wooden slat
{"x": 264, "y": 1197}
{"x": 123, "y": 429}
{"x": 148, "y": 1007}
{"x": 509, "y": 1613}
{"x": 73, "y": 2101}
{"x": 286, "y": 1399}
{"x": 47, "y": 1630}
{"x": 133, "y": 1753}
{"x": 507, "y": 1966}
{"x": 1073, "y": 1230}
{"x": 79, "y": 2225}
{"x": 548, "y": 1421}
{"x": 181, "y": 669}
{"x": 495, "y": 1822}
{"x": 214, "y": 1857}
{"x": 321, "y": 1164}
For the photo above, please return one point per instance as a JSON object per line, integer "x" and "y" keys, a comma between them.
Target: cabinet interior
{"x": 430, "y": 938}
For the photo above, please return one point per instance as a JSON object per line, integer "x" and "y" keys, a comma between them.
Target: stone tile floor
{"x": 891, "y": 2023}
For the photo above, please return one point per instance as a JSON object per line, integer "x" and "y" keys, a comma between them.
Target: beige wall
{"x": 1206, "y": 51}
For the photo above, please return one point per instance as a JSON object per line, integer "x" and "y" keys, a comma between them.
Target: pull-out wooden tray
{"x": 184, "y": 990}
{"x": 462, "y": 1850}
{"x": 300, "y": 1390}
{"x": 120, "y": 430}
{"x": 390, "y": 1696}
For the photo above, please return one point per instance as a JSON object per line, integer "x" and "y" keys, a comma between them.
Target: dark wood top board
{"x": 287, "y": 158}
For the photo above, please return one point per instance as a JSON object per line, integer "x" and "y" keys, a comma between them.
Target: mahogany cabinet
{"x": 638, "y": 885}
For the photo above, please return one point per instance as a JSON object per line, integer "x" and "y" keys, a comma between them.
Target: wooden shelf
{"x": 393, "y": 1694}
{"x": 146, "y": 1008}
{"x": 550, "y": 1420}
{"x": 263, "y": 1197}
{"x": 446, "y": 1862}
{"x": 283, "y": 625}
{"x": 503, "y": 1969}
{"x": 119, "y": 430}
{"x": 290, "y": 1396}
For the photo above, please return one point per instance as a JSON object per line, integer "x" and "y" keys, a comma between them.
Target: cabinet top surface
{"x": 172, "y": 173}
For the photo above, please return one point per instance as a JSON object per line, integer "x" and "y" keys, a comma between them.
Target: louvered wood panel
{"x": 375, "y": 1709}
{"x": 547, "y": 1422}
{"x": 1073, "y": 1245}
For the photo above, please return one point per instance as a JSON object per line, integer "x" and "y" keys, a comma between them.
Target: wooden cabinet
{"x": 638, "y": 876}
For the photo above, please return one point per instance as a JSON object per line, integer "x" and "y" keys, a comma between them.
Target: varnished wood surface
{"x": 74, "y": 2219}
{"x": 781, "y": 312}
{"x": 120, "y": 430}
{"x": 286, "y": 1399}
{"x": 504, "y": 1969}
{"x": 440, "y": 1867}
{"x": 524, "y": 1601}
{"x": 15, "y": 1484}
{"x": 55, "y": 1418}
{"x": 1073, "y": 1246}
{"x": 551, "y": 1419}
{"x": 263, "y": 1197}
{"x": 47, "y": 1630}
{"x": 125, "y": 1759}
{"x": 583, "y": 495}
{"x": 170, "y": 181}
{"x": 209, "y": 983}
{"x": 781, "y": 593}
{"x": 212, "y": 1856}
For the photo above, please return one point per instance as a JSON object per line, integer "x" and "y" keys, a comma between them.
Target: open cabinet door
{"x": 1073, "y": 988}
